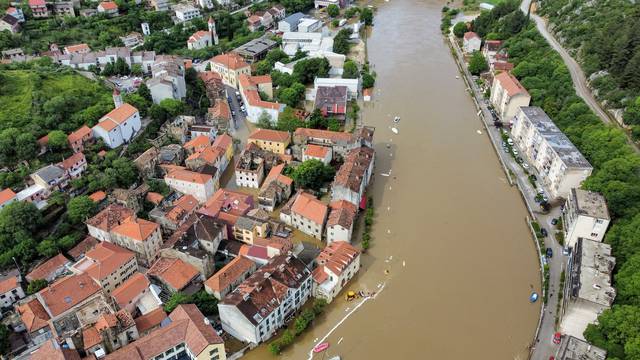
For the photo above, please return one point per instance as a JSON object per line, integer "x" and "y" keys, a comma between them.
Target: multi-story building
{"x": 109, "y": 8}
{"x": 337, "y": 264}
{"x": 51, "y": 178}
{"x": 508, "y": 95}
{"x": 250, "y": 168}
{"x": 136, "y": 295}
{"x": 585, "y": 216}
{"x": 101, "y": 58}
{"x": 229, "y": 277}
{"x": 118, "y": 126}
{"x": 199, "y": 40}
{"x": 108, "y": 264}
{"x": 290, "y": 23}
{"x": 258, "y": 307}
{"x": 140, "y": 236}
{"x": 275, "y": 189}
{"x": 317, "y": 152}
{"x": 227, "y": 206}
{"x": 186, "y": 12}
{"x": 559, "y": 163}
{"x": 588, "y": 289}
{"x": 100, "y": 225}
{"x": 39, "y": 8}
{"x": 174, "y": 274}
{"x": 10, "y": 23}
{"x": 186, "y": 335}
{"x": 78, "y": 138}
{"x": 35, "y": 319}
{"x": 168, "y": 79}
{"x": 50, "y": 269}
{"x": 340, "y": 222}
{"x": 292, "y": 42}
{"x": 270, "y": 140}
{"x": 309, "y": 215}
{"x": 74, "y": 165}
{"x": 353, "y": 176}
{"x": 160, "y": 5}
{"x": 250, "y": 89}
{"x": 200, "y": 186}
{"x": 230, "y": 66}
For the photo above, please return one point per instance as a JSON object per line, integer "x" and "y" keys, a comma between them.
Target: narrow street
{"x": 542, "y": 346}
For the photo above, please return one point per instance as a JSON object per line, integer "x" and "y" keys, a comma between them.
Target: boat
{"x": 396, "y": 119}
{"x": 321, "y": 347}
{"x": 338, "y": 357}
{"x": 383, "y": 174}
{"x": 395, "y": 131}
{"x": 534, "y": 297}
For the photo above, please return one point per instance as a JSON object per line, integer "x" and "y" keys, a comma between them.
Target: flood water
{"x": 446, "y": 211}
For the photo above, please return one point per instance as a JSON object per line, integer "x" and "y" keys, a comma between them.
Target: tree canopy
{"x": 312, "y": 174}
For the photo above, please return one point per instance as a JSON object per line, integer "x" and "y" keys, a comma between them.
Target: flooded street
{"x": 446, "y": 212}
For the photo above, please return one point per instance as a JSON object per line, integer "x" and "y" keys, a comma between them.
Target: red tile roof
{"x": 51, "y": 350}
{"x": 66, "y": 293}
{"x": 230, "y": 60}
{"x": 174, "y": 272}
{"x": 79, "y": 134}
{"x": 229, "y": 273}
{"x": 150, "y": 319}
{"x": 104, "y": 259}
{"x": 98, "y": 196}
{"x": 121, "y": 113}
{"x": 198, "y": 143}
{"x": 47, "y": 268}
{"x": 316, "y": 151}
{"x": 510, "y": 84}
{"x": 307, "y": 206}
{"x": 470, "y": 35}
{"x": 333, "y": 136}
{"x": 270, "y": 135}
{"x": 109, "y": 5}
{"x": 154, "y": 198}
{"x": 77, "y": 48}
{"x": 112, "y": 216}
{"x": 88, "y": 243}
{"x": 138, "y": 229}
{"x": 227, "y": 202}
{"x": 130, "y": 289}
{"x": 224, "y": 141}
{"x": 6, "y": 195}
{"x": 189, "y": 176}
{"x": 72, "y": 160}
{"x": 91, "y": 337}
{"x": 337, "y": 256}
{"x": 342, "y": 213}
{"x": 187, "y": 326}
{"x": 9, "y": 284}
{"x": 33, "y": 315}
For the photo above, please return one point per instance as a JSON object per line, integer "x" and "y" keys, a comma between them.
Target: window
{"x": 213, "y": 352}
{"x": 594, "y": 234}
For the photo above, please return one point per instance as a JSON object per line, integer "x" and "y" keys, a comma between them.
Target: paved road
{"x": 543, "y": 347}
{"x": 577, "y": 75}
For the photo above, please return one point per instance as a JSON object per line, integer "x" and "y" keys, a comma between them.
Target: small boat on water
{"x": 321, "y": 347}
{"x": 396, "y": 119}
{"x": 338, "y": 357}
{"x": 533, "y": 297}
{"x": 395, "y": 131}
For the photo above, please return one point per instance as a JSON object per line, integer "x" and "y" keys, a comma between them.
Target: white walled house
{"x": 200, "y": 186}
{"x": 340, "y": 221}
{"x": 10, "y": 291}
{"x": 250, "y": 88}
{"x": 471, "y": 42}
{"x": 168, "y": 79}
{"x": 230, "y": 66}
{"x": 585, "y": 215}
{"x": 199, "y": 40}
{"x": 559, "y": 163}
{"x": 317, "y": 152}
{"x": 309, "y": 215}
{"x": 353, "y": 85}
{"x": 337, "y": 264}
{"x": 118, "y": 126}
{"x": 508, "y": 95}
{"x": 185, "y": 12}
{"x": 258, "y": 307}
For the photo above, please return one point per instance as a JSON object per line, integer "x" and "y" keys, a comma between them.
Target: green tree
{"x": 287, "y": 121}
{"x": 307, "y": 70}
{"x": 341, "y": 44}
{"x": 48, "y": 248}
{"x": 5, "y": 344}
{"x": 206, "y": 303}
{"x": 333, "y": 10}
{"x": 26, "y": 146}
{"x": 126, "y": 172}
{"x": 368, "y": 80}
{"x": 275, "y": 348}
{"x": 312, "y": 174}
{"x": 333, "y": 124}
{"x": 350, "y": 70}
{"x": 58, "y": 140}
{"x": 176, "y": 299}
{"x": 617, "y": 331}
{"x": 366, "y": 15}
{"x": 459, "y": 29}
{"x": 264, "y": 121}
{"x": 477, "y": 63}
{"x": 80, "y": 208}
{"x": 292, "y": 95}
{"x": 36, "y": 285}
{"x": 172, "y": 107}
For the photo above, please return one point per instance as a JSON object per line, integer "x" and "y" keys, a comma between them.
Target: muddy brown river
{"x": 449, "y": 229}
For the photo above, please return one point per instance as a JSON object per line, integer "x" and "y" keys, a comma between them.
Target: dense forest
{"x": 616, "y": 166}
{"x": 604, "y": 36}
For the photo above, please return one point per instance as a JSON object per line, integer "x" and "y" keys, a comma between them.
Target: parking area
{"x": 126, "y": 84}
{"x": 237, "y": 107}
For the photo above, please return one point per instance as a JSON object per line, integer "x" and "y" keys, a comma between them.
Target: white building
{"x": 200, "y": 186}
{"x": 186, "y": 12}
{"x": 205, "y": 4}
{"x": 309, "y": 215}
{"x": 558, "y": 162}
{"x": 258, "y": 307}
{"x": 317, "y": 152}
{"x": 199, "y": 40}
{"x": 290, "y": 23}
{"x": 340, "y": 221}
{"x": 588, "y": 291}
{"x": 118, "y": 126}
{"x": 508, "y": 95}
{"x": 585, "y": 215}
{"x": 305, "y": 41}
{"x": 309, "y": 25}
{"x": 353, "y": 176}
{"x": 250, "y": 89}
{"x": 471, "y": 42}
{"x": 337, "y": 264}
{"x": 168, "y": 79}
{"x": 230, "y": 66}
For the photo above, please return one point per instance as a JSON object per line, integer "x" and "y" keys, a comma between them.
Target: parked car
{"x": 515, "y": 152}
{"x": 557, "y": 337}
{"x": 544, "y": 232}
{"x": 549, "y": 252}
{"x": 540, "y": 191}
{"x": 565, "y": 251}
{"x": 510, "y": 141}
{"x": 554, "y": 221}
{"x": 525, "y": 166}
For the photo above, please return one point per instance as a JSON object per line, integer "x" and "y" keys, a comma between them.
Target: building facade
{"x": 508, "y": 95}
{"x": 585, "y": 216}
